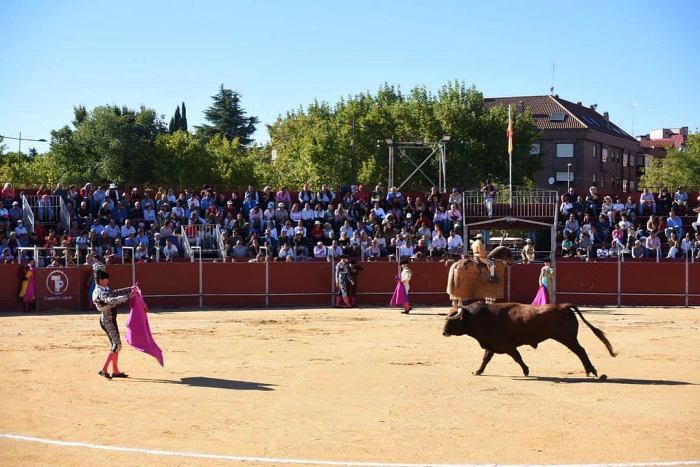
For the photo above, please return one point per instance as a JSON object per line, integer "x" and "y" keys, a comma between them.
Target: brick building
{"x": 658, "y": 142}
{"x": 598, "y": 151}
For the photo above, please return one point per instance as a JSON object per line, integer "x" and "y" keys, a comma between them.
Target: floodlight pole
{"x": 40, "y": 140}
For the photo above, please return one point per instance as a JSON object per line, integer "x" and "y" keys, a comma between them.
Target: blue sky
{"x": 633, "y": 58}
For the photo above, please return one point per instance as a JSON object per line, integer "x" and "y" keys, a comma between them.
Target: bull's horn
{"x": 458, "y": 315}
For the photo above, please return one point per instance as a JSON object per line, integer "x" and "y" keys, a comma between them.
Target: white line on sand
{"x": 271, "y": 460}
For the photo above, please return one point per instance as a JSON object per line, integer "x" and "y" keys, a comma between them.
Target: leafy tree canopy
{"x": 316, "y": 144}
{"x": 678, "y": 168}
{"x": 109, "y": 143}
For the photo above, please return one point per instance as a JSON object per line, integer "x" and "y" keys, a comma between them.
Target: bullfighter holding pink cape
{"x": 403, "y": 285}
{"x": 545, "y": 292}
{"x": 138, "y": 331}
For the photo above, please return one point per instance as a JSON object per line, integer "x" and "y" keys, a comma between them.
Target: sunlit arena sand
{"x": 361, "y": 385}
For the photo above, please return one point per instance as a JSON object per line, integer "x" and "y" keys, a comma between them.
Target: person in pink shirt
{"x": 282, "y": 196}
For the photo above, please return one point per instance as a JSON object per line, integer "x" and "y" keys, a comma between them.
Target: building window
{"x": 632, "y": 185}
{"x": 602, "y": 181}
{"x": 595, "y": 178}
{"x": 632, "y": 160}
{"x": 625, "y": 185}
{"x": 595, "y": 151}
{"x": 625, "y": 158}
{"x": 535, "y": 149}
{"x": 565, "y": 150}
{"x": 604, "y": 155}
{"x": 561, "y": 176}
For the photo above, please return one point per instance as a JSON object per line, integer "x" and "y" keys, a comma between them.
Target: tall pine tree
{"x": 175, "y": 121}
{"x": 183, "y": 121}
{"x": 228, "y": 118}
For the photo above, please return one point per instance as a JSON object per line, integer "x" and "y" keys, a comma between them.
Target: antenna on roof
{"x": 634, "y": 108}
{"x": 554, "y": 69}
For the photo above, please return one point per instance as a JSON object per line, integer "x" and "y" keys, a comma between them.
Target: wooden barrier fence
{"x": 311, "y": 284}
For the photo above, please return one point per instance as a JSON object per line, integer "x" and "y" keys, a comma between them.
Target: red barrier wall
{"x": 234, "y": 284}
{"x": 694, "y": 283}
{"x": 523, "y": 282}
{"x": 300, "y": 283}
{"x": 587, "y": 283}
{"x": 9, "y": 287}
{"x": 310, "y": 283}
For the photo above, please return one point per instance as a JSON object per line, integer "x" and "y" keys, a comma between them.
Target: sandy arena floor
{"x": 367, "y": 385}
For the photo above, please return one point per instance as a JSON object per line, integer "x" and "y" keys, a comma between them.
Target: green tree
{"x": 183, "y": 120}
{"x": 678, "y": 168}
{"x": 178, "y": 122}
{"x": 181, "y": 161}
{"x": 23, "y": 170}
{"x": 109, "y": 143}
{"x": 175, "y": 121}
{"x": 228, "y": 118}
{"x": 316, "y": 144}
{"x": 232, "y": 164}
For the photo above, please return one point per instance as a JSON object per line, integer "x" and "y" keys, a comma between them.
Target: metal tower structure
{"x": 437, "y": 149}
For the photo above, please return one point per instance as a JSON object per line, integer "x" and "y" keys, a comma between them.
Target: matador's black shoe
{"x": 119, "y": 375}
{"x": 104, "y": 374}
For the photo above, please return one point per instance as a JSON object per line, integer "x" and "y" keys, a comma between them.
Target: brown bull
{"x": 503, "y": 327}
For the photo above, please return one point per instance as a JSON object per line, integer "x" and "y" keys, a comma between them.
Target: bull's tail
{"x": 598, "y": 333}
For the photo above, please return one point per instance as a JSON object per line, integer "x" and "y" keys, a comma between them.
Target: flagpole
{"x": 510, "y": 160}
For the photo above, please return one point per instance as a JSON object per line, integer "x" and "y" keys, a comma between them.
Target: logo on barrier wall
{"x": 57, "y": 283}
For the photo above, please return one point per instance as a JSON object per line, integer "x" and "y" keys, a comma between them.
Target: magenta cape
{"x": 400, "y": 296}
{"x": 30, "y": 293}
{"x": 542, "y": 297}
{"x": 138, "y": 332}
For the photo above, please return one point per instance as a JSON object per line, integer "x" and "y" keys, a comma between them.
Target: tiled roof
{"x": 547, "y": 112}
{"x": 674, "y": 141}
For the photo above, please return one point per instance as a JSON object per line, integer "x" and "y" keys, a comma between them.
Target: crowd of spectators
{"x": 595, "y": 226}
{"x": 318, "y": 224}
{"x": 278, "y": 224}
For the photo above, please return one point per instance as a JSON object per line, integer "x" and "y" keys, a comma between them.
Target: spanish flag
{"x": 509, "y": 133}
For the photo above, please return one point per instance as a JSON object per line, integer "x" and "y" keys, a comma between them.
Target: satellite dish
{"x": 551, "y": 180}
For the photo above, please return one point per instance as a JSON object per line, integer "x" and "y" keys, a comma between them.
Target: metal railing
{"x": 220, "y": 242}
{"x": 46, "y": 208}
{"x": 64, "y": 214}
{"x": 526, "y": 202}
{"x": 27, "y": 214}
{"x": 186, "y": 243}
{"x": 67, "y": 259}
{"x": 205, "y": 236}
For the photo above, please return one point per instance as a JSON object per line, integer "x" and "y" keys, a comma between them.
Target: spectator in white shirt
{"x": 378, "y": 211}
{"x": 455, "y": 197}
{"x": 170, "y": 250}
{"x": 406, "y": 250}
{"x": 347, "y": 228}
{"x": 646, "y": 200}
{"x": 149, "y": 214}
{"x": 687, "y": 244}
{"x": 320, "y": 251}
{"x": 112, "y": 230}
{"x": 455, "y": 244}
{"x": 439, "y": 243}
{"x": 127, "y": 229}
